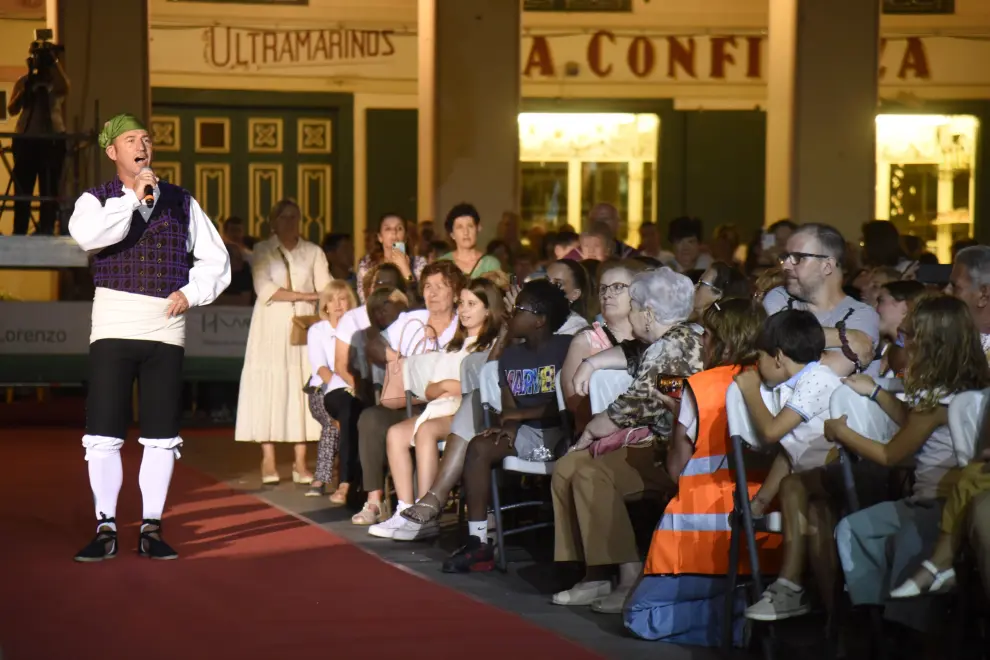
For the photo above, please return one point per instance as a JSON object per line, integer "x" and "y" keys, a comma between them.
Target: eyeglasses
{"x": 795, "y": 258}
{"x": 717, "y": 292}
{"x": 606, "y": 290}
{"x": 521, "y": 308}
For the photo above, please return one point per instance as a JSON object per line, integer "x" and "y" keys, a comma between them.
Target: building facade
{"x": 656, "y": 106}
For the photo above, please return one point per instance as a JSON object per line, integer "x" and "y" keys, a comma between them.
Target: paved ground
{"x": 525, "y": 589}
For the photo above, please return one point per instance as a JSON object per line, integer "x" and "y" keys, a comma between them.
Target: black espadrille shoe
{"x": 104, "y": 544}
{"x": 150, "y": 543}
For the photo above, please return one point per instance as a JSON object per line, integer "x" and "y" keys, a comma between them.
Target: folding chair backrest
{"x": 491, "y": 393}
{"x": 358, "y": 358}
{"x": 606, "y": 386}
{"x": 965, "y": 415}
{"x": 894, "y": 385}
{"x": 471, "y": 371}
{"x": 561, "y": 404}
{"x": 863, "y": 416}
{"x": 417, "y": 370}
{"x": 740, "y": 423}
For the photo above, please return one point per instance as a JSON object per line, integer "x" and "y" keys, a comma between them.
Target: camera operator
{"x": 39, "y": 97}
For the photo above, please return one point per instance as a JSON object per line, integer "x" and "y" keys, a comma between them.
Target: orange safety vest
{"x": 694, "y": 534}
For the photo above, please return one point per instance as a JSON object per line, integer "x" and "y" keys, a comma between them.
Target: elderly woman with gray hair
{"x": 619, "y": 455}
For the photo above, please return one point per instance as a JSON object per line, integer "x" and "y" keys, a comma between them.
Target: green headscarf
{"x": 117, "y": 126}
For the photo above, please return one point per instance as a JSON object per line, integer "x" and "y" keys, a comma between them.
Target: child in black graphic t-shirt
{"x": 529, "y": 425}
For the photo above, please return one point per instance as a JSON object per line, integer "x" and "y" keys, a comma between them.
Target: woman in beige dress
{"x": 289, "y": 272}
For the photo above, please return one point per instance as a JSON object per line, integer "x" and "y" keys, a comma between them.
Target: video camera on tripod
{"x": 43, "y": 53}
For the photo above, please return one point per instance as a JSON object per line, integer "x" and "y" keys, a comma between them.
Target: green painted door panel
{"x": 240, "y": 152}
{"x": 393, "y": 163}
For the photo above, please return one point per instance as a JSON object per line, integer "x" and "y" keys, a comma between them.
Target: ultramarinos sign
{"x": 599, "y": 57}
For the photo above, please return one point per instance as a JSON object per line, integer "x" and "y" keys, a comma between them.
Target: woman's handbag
{"x": 394, "y": 387}
{"x": 300, "y": 323}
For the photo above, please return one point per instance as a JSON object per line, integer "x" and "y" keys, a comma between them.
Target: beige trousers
{"x": 591, "y": 523}
{"x": 979, "y": 536}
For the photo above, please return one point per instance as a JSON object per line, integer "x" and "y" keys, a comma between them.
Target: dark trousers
{"x": 113, "y": 366}
{"x": 41, "y": 161}
{"x": 346, "y": 410}
{"x": 373, "y": 429}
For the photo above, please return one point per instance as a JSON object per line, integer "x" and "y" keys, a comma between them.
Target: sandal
{"x": 316, "y": 491}
{"x": 368, "y": 515}
{"x": 434, "y": 510}
{"x": 942, "y": 582}
{"x": 339, "y": 496}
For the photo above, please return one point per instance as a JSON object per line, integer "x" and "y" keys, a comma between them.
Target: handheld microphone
{"x": 149, "y": 192}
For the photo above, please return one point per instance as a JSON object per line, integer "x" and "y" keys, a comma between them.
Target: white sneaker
{"x": 385, "y": 530}
{"x": 411, "y": 530}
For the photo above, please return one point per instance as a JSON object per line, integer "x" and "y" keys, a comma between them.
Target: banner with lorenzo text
{"x": 62, "y": 328}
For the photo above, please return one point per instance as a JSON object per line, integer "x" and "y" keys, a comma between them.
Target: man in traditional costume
{"x": 155, "y": 254}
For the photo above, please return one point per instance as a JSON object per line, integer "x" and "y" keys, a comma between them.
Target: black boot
{"x": 104, "y": 544}
{"x": 150, "y": 543}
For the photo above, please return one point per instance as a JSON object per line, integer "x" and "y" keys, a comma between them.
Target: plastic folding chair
{"x": 868, "y": 419}
{"x": 965, "y": 416}
{"x": 743, "y": 436}
{"x": 491, "y": 399}
{"x": 606, "y": 386}
{"x": 416, "y": 372}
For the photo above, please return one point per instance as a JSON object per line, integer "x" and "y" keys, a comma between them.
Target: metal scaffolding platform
{"x": 81, "y": 167}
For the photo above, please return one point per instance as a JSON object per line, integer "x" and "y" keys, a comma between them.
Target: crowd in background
{"x": 789, "y": 320}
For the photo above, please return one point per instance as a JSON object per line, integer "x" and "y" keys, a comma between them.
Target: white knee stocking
{"x": 156, "y": 473}
{"x": 106, "y": 473}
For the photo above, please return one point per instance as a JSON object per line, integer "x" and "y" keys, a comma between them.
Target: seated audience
{"x": 479, "y": 314}
{"x": 529, "y": 424}
{"x": 500, "y": 250}
{"x": 345, "y": 404}
{"x": 875, "y": 280}
{"x": 567, "y": 245}
{"x": 882, "y": 545}
{"x": 573, "y": 280}
{"x": 411, "y": 333}
{"x": 813, "y": 273}
{"x": 631, "y": 431}
{"x": 790, "y": 345}
{"x": 937, "y": 574}
{"x": 597, "y": 243}
{"x": 685, "y": 236}
{"x": 613, "y": 296}
{"x": 680, "y": 598}
{"x": 719, "y": 281}
{"x": 893, "y": 303}
{"x": 321, "y": 342}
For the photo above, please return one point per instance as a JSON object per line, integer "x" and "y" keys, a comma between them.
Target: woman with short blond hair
{"x": 321, "y": 344}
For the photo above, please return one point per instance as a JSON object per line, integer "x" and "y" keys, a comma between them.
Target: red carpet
{"x": 252, "y": 582}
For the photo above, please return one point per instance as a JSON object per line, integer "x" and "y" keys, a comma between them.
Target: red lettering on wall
{"x": 754, "y": 57}
{"x": 595, "y": 53}
{"x": 721, "y": 56}
{"x": 641, "y": 57}
{"x": 915, "y": 59}
{"x": 539, "y": 58}
{"x": 680, "y": 55}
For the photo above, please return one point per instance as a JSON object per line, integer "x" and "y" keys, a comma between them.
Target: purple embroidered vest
{"x": 153, "y": 259}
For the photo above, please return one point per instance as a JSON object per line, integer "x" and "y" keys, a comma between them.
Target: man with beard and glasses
{"x": 812, "y": 264}
{"x": 155, "y": 254}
